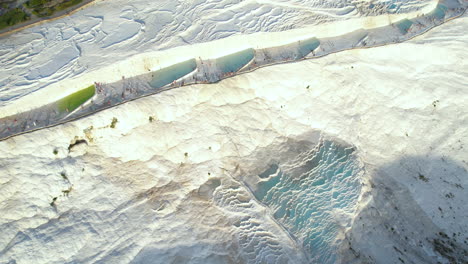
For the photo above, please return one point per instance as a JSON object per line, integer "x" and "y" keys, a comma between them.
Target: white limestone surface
{"x": 106, "y": 40}
{"x": 181, "y": 188}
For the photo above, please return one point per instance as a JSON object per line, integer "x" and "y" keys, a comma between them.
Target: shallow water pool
{"x": 404, "y": 25}
{"x": 307, "y": 46}
{"x": 169, "y": 74}
{"x": 234, "y": 62}
{"x": 439, "y": 11}
{"x": 305, "y": 195}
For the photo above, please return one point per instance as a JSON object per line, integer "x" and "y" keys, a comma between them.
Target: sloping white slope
{"x": 174, "y": 190}
{"x": 112, "y": 31}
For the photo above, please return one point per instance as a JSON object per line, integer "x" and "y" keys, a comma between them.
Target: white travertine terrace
{"x": 376, "y": 136}
{"x": 18, "y": 80}
{"x": 177, "y": 189}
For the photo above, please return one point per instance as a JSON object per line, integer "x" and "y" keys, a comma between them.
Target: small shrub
{"x": 114, "y": 122}
{"x": 423, "y": 178}
{"x": 67, "y": 191}
{"x": 35, "y": 3}
{"x": 55, "y": 151}
{"x": 43, "y": 8}
{"x": 64, "y": 176}
{"x": 151, "y": 119}
{"x": 12, "y": 17}
{"x": 65, "y": 5}
{"x": 53, "y": 202}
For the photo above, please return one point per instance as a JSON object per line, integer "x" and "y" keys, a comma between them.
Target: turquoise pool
{"x": 439, "y": 11}
{"x": 304, "y": 196}
{"x": 404, "y": 25}
{"x": 307, "y": 46}
{"x": 169, "y": 74}
{"x": 234, "y": 62}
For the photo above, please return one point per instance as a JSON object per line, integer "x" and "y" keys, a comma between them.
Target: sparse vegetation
{"x": 151, "y": 119}
{"x": 13, "y": 13}
{"x": 12, "y": 17}
{"x": 55, "y": 151}
{"x": 53, "y": 202}
{"x": 186, "y": 154}
{"x": 423, "y": 178}
{"x": 64, "y": 175}
{"x": 67, "y": 4}
{"x": 446, "y": 248}
{"x": 114, "y": 122}
{"x": 67, "y": 191}
{"x": 44, "y": 8}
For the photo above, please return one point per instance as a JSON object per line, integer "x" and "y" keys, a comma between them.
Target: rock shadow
{"x": 413, "y": 210}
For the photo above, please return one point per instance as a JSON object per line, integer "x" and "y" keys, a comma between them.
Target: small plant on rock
{"x": 64, "y": 176}
{"x": 67, "y": 191}
{"x": 53, "y": 202}
{"x": 423, "y": 178}
{"x": 114, "y": 122}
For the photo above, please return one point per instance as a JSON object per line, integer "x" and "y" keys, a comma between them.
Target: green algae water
{"x": 165, "y": 76}
{"x": 74, "y": 100}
